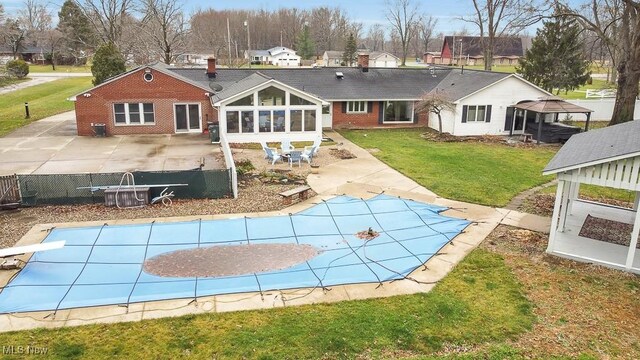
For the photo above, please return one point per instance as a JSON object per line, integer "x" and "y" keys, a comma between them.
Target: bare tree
{"x": 426, "y": 30}
{"x": 51, "y": 40}
{"x": 617, "y": 24}
{"x": 403, "y": 16}
{"x": 165, "y": 26}
{"x": 435, "y": 102}
{"x": 35, "y": 19}
{"x": 108, "y": 17}
{"x": 376, "y": 37}
{"x": 497, "y": 18}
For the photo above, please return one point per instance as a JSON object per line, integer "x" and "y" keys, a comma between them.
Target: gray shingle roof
{"x": 458, "y": 84}
{"x": 245, "y": 84}
{"x": 597, "y": 146}
{"x": 376, "y": 84}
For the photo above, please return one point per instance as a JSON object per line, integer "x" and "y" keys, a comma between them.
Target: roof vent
{"x": 339, "y": 75}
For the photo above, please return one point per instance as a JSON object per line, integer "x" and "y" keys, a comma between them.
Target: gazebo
{"x": 589, "y": 231}
{"x": 552, "y": 105}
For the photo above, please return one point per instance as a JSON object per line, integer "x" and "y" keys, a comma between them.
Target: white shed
{"x": 589, "y": 231}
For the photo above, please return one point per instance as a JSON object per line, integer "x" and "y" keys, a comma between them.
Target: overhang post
{"x": 540, "y": 122}
{"x": 636, "y": 204}
{"x": 554, "y": 220}
{"x": 586, "y": 124}
{"x": 634, "y": 242}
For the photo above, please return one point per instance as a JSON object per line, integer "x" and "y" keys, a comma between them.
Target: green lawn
{"x": 44, "y": 100}
{"x": 6, "y": 81}
{"x": 480, "y": 301}
{"x": 599, "y": 192}
{"x": 487, "y": 174}
{"x": 581, "y": 93}
{"x": 59, "y": 68}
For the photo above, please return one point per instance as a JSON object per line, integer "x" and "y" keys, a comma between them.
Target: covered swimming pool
{"x": 124, "y": 264}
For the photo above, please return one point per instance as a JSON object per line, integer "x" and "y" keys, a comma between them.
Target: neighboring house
{"x": 278, "y": 56}
{"x": 377, "y": 59}
{"x": 272, "y": 104}
{"x": 332, "y": 58}
{"x": 381, "y": 59}
{"x": 193, "y": 58}
{"x": 467, "y": 50}
{"x": 432, "y": 57}
{"x": 31, "y": 54}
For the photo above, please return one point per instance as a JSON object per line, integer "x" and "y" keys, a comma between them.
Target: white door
{"x": 187, "y": 117}
{"x": 327, "y": 118}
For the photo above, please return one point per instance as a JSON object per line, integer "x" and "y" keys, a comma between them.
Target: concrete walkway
{"x": 366, "y": 174}
{"x": 38, "y": 79}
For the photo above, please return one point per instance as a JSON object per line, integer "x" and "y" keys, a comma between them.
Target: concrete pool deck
{"x": 363, "y": 177}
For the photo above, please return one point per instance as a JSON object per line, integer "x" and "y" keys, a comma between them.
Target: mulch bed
{"x": 229, "y": 260}
{"x": 341, "y": 154}
{"x": 611, "y": 231}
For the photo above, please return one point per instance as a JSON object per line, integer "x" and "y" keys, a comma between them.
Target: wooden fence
{"x": 9, "y": 190}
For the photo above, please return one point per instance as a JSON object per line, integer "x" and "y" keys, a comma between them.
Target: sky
{"x": 368, "y": 12}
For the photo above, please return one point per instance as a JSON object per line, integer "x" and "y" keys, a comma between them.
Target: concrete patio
{"x": 50, "y": 146}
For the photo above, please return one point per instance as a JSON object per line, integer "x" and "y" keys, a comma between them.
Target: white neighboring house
{"x": 484, "y": 111}
{"x": 278, "y": 56}
{"x": 193, "y": 58}
{"x": 332, "y": 58}
{"x": 381, "y": 59}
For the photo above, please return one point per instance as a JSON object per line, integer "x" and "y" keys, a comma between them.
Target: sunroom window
{"x": 271, "y": 96}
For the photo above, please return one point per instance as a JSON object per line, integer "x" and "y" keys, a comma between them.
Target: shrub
{"x": 18, "y": 68}
{"x": 244, "y": 167}
{"x": 107, "y": 63}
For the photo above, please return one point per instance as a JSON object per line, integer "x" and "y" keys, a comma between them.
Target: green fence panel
{"x": 61, "y": 189}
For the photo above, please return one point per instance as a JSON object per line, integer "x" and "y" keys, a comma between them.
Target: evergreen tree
{"x": 556, "y": 58}
{"x": 305, "y": 46}
{"x": 77, "y": 31}
{"x": 350, "y": 54}
{"x": 107, "y": 63}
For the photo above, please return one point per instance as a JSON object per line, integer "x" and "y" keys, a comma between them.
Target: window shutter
{"x": 487, "y": 115}
{"x": 464, "y": 113}
{"x": 370, "y": 107}
{"x": 380, "y": 112}
{"x": 344, "y": 107}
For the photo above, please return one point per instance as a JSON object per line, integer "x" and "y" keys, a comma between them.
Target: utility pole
{"x": 281, "y": 39}
{"x": 246, "y": 24}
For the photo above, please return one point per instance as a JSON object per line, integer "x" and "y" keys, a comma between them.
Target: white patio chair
{"x": 286, "y": 146}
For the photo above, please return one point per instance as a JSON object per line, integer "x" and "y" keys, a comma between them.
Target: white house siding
{"x": 602, "y": 109}
{"x": 500, "y": 95}
{"x": 386, "y": 61}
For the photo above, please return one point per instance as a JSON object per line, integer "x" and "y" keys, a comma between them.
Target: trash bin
{"x": 214, "y": 132}
{"x": 100, "y": 129}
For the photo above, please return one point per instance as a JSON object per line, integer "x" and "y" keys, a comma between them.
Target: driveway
{"x": 39, "y": 78}
{"x": 50, "y": 146}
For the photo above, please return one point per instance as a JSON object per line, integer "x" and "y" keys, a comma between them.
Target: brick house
{"x": 467, "y": 50}
{"x": 273, "y": 104}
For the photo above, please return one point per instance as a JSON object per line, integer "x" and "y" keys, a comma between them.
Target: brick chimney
{"x": 363, "y": 62}
{"x": 211, "y": 67}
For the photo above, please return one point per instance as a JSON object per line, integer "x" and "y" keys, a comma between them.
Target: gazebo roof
{"x": 551, "y": 105}
{"x": 596, "y": 147}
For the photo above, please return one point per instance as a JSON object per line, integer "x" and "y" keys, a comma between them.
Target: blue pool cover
{"x": 103, "y": 265}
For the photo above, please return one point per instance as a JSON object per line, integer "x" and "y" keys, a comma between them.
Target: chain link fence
{"x": 64, "y": 189}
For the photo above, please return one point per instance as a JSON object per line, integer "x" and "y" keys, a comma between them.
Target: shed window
{"x": 134, "y": 113}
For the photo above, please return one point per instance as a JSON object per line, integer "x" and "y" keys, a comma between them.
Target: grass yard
{"x": 59, "y": 69}
{"x": 479, "y": 302}
{"x": 44, "y": 100}
{"x": 581, "y": 92}
{"x": 487, "y": 174}
{"x": 6, "y": 81}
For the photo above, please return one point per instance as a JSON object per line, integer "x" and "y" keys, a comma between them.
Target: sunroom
{"x": 258, "y": 108}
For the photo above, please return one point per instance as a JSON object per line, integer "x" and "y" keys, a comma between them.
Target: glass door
{"x": 187, "y": 117}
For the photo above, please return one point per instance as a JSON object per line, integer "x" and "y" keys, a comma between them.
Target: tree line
{"x": 144, "y": 31}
